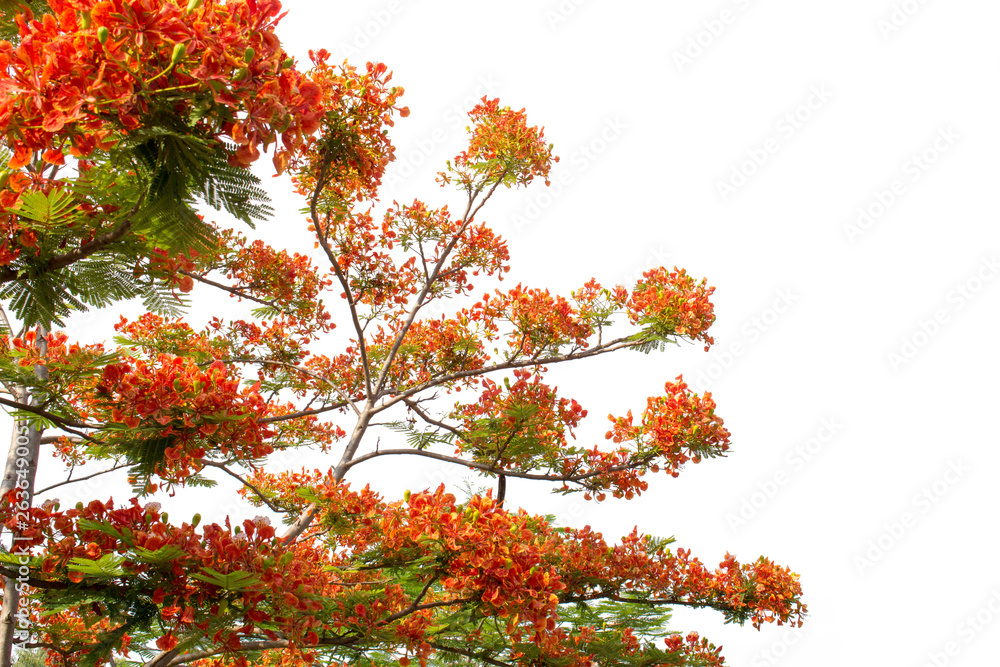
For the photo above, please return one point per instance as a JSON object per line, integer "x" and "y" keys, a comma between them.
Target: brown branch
{"x": 470, "y": 654}
{"x": 299, "y": 369}
{"x": 62, "y": 421}
{"x": 649, "y": 602}
{"x": 321, "y": 234}
{"x": 80, "y": 479}
{"x": 226, "y": 288}
{"x": 249, "y": 485}
{"x": 168, "y": 660}
{"x": 578, "y": 478}
{"x": 50, "y": 439}
{"x": 435, "y": 273}
{"x": 302, "y": 413}
{"x": 301, "y": 523}
{"x": 415, "y": 604}
{"x": 613, "y": 346}
{"x": 312, "y": 509}
{"x": 54, "y": 585}
{"x": 8, "y": 274}
{"x": 413, "y": 405}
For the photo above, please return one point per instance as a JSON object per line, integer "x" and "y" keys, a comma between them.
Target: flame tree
{"x": 120, "y": 121}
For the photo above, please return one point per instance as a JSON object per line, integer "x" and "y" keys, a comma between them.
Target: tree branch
{"x": 492, "y": 469}
{"x": 303, "y": 413}
{"x": 226, "y": 288}
{"x": 80, "y": 479}
{"x": 8, "y": 274}
{"x": 430, "y": 420}
{"x": 612, "y": 346}
{"x": 62, "y": 421}
{"x": 438, "y": 266}
{"x": 298, "y": 369}
{"x": 321, "y": 234}
{"x": 249, "y": 485}
{"x": 470, "y": 654}
{"x": 310, "y": 511}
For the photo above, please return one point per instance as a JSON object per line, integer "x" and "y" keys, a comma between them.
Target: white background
{"x": 835, "y": 441}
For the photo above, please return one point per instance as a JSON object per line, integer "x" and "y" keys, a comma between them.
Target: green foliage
{"x": 107, "y": 566}
{"x": 10, "y": 8}
{"x": 653, "y": 339}
{"x": 30, "y": 658}
{"x": 232, "y": 581}
{"x": 172, "y": 167}
{"x": 420, "y": 438}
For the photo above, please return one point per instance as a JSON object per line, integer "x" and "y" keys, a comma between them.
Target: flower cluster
{"x": 346, "y": 161}
{"x": 188, "y": 406}
{"x": 521, "y": 425}
{"x": 671, "y": 303}
{"x": 503, "y": 149}
{"x": 95, "y": 70}
{"x": 191, "y": 576}
{"x": 679, "y": 426}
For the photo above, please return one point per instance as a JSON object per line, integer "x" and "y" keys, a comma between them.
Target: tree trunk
{"x": 24, "y": 446}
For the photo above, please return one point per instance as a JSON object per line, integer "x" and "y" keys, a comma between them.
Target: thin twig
{"x": 249, "y": 485}
{"x": 80, "y": 479}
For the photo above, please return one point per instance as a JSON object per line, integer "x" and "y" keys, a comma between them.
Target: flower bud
{"x": 180, "y": 50}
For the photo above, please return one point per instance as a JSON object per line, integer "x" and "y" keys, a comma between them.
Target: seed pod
{"x": 102, "y": 34}
{"x": 180, "y": 50}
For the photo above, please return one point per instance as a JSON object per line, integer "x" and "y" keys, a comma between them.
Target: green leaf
{"x": 234, "y": 581}
{"x": 87, "y": 524}
{"x": 57, "y": 208}
{"x": 160, "y": 556}
{"x": 108, "y": 565}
